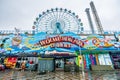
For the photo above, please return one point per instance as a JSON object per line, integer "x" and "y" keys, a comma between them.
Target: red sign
{"x": 10, "y": 62}
{"x": 55, "y": 39}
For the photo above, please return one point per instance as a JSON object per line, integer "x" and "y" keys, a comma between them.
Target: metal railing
{"x": 7, "y": 32}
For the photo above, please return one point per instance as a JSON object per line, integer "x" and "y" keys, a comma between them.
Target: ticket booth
{"x": 45, "y": 65}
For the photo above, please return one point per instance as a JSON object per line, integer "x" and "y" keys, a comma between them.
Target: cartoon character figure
{"x": 106, "y": 43}
{"x": 17, "y": 39}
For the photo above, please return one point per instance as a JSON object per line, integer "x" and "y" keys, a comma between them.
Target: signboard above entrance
{"x": 41, "y": 42}
{"x": 57, "y": 39}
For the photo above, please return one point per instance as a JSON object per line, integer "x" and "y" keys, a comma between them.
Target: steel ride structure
{"x": 58, "y": 20}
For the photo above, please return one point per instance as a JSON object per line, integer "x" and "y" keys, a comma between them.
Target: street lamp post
{"x": 83, "y": 75}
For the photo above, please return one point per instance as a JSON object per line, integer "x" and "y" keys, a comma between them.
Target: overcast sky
{"x": 22, "y": 13}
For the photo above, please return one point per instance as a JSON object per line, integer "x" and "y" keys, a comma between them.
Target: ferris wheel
{"x": 58, "y": 20}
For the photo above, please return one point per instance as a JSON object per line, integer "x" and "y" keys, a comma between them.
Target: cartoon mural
{"x": 67, "y": 42}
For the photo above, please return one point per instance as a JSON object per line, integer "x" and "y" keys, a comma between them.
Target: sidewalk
{"x": 60, "y": 75}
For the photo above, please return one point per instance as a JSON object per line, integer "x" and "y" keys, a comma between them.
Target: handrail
{"x": 7, "y": 32}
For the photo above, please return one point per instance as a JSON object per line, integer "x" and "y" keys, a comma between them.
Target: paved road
{"x": 59, "y": 75}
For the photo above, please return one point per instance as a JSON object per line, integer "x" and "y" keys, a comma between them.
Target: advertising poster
{"x": 101, "y": 59}
{"x": 10, "y": 62}
{"x": 107, "y": 59}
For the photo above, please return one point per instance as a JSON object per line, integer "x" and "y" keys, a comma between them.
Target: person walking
{"x": 23, "y": 66}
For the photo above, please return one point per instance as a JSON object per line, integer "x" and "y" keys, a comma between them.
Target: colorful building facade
{"x": 92, "y": 50}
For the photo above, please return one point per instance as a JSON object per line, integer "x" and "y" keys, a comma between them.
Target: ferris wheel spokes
{"x": 57, "y": 21}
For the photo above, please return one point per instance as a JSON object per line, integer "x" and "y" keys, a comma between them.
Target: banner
{"x": 10, "y": 62}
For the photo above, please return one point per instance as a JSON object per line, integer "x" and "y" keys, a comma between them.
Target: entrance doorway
{"x": 115, "y": 56}
{"x": 59, "y": 64}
